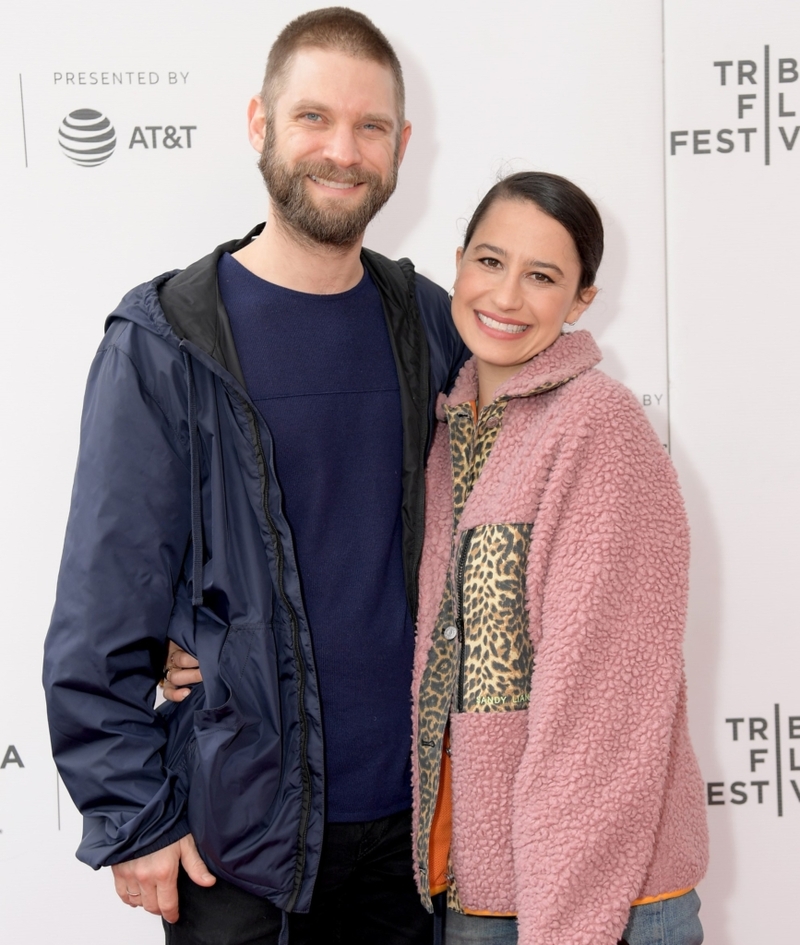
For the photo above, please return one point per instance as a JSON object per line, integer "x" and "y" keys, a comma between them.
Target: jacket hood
{"x": 567, "y": 357}
{"x": 142, "y": 307}
{"x": 185, "y": 309}
{"x": 185, "y": 305}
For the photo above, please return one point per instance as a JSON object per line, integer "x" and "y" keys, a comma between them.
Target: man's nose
{"x": 341, "y": 147}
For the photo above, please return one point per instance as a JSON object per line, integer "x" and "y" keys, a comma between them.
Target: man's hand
{"x": 181, "y": 669}
{"x": 152, "y": 881}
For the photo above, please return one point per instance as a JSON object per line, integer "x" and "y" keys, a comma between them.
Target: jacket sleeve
{"x": 447, "y": 350}
{"x": 127, "y": 536}
{"x": 609, "y": 578}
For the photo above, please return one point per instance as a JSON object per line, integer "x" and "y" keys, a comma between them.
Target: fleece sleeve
{"x": 127, "y": 536}
{"x": 608, "y": 572}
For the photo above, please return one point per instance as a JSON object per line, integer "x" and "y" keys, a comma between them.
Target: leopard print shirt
{"x": 481, "y": 658}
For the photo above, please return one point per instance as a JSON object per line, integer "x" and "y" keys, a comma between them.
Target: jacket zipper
{"x": 301, "y": 687}
{"x": 411, "y": 408}
{"x": 424, "y": 398}
{"x": 420, "y": 517}
{"x": 461, "y": 565}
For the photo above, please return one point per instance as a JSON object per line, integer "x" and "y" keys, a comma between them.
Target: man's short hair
{"x": 334, "y": 28}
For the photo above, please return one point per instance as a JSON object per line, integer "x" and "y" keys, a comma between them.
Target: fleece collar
{"x": 567, "y": 357}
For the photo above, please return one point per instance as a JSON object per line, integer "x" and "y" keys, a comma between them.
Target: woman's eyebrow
{"x": 541, "y": 264}
{"x": 492, "y": 249}
{"x": 532, "y": 263}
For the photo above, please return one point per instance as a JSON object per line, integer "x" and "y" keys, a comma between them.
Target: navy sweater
{"x": 321, "y": 371}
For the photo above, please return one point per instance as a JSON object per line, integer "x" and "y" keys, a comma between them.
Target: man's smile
{"x": 335, "y": 184}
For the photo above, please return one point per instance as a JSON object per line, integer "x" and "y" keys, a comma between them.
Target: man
{"x": 250, "y": 485}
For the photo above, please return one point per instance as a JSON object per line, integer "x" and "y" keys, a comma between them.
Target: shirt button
{"x": 450, "y": 633}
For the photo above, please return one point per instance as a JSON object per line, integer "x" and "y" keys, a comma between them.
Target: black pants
{"x": 364, "y": 895}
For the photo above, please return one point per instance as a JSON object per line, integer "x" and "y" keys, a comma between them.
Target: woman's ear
{"x": 582, "y": 301}
{"x": 459, "y": 257}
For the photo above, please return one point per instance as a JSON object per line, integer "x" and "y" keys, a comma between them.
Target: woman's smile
{"x": 500, "y": 326}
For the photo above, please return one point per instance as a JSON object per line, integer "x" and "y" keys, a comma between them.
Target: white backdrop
{"x": 732, "y": 265}
{"x": 593, "y": 90}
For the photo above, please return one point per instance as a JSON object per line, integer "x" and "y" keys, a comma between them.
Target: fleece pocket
{"x": 486, "y": 750}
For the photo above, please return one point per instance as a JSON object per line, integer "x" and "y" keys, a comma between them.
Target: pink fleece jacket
{"x": 569, "y": 811}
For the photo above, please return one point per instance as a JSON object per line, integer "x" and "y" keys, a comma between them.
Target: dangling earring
{"x": 451, "y": 293}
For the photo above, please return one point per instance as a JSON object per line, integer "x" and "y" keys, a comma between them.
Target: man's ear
{"x": 405, "y": 134}
{"x": 256, "y": 123}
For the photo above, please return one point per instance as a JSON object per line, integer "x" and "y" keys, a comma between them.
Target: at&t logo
{"x": 87, "y": 137}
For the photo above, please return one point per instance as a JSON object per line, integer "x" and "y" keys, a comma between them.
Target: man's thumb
{"x": 196, "y": 869}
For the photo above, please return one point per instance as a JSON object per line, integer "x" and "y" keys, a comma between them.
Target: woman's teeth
{"x": 500, "y": 326}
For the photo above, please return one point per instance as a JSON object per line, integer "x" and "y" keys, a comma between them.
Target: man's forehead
{"x": 336, "y": 79}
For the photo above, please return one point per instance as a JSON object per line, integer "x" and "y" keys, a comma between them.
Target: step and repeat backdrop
{"x": 682, "y": 120}
{"x": 732, "y": 124}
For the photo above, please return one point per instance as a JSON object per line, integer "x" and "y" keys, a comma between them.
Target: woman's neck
{"x": 492, "y": 376}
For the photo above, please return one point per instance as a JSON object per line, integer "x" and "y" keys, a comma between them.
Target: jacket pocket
{"x": 237, "y": 760}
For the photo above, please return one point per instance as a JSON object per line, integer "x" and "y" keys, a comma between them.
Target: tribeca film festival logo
{"x": 11, "y": 760}
{"x": 11, "y": 757}
{"x": 760, "y": 740}
{"x": 763, "y": 100}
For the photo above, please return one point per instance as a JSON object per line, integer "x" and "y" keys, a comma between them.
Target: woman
{"x": 556, "y": 795}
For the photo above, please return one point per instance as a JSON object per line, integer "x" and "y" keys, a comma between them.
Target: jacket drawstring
{"x": 283, "y": 937}
{"x": 197, "y": 508}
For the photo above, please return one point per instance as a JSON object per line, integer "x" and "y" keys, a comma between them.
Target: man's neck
{"x": 280, "y": 257}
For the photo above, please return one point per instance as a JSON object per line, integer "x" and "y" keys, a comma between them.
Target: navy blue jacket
{"x": 176, "y": 530}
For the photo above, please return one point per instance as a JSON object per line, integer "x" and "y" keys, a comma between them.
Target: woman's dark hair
{"x": 560, "y": 199}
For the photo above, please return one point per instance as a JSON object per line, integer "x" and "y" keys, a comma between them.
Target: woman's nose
{"x": 508, "y": 294}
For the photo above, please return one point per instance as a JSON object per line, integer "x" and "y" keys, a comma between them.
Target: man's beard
{"x": 329, "y": 225}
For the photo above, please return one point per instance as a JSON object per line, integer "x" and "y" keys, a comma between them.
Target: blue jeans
{"x": 478, "y": 930}
{"x": 669, "y": 922}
